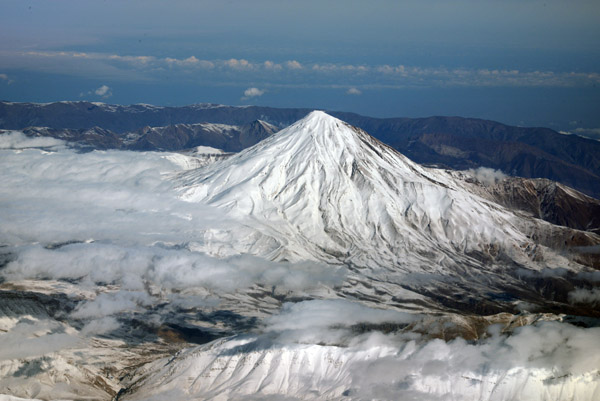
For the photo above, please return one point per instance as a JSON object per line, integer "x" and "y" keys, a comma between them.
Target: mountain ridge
{"x": 451, "y": 142}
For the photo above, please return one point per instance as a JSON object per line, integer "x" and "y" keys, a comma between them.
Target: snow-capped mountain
{"x": 323, "y": 190}
{"x": 319, "y": 263}
{"x": 332, "y": 190}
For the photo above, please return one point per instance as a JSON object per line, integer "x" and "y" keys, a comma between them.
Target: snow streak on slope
{"x": 322, "y": 189}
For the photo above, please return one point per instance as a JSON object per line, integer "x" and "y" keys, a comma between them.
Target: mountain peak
{"x": 318, "y": 115}
{"x": 319, "y": 135}
{"x": 322, "y": 189}
{"x": 320, "y": 122}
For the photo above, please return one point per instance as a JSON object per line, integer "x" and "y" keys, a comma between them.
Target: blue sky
{"x": 524, "y": 62}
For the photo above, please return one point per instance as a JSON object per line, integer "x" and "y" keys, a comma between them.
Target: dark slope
{"x": 550, "y": 201}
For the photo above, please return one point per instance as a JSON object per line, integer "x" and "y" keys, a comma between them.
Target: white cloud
{"x": 487, "y": 176}
{"x": 100, "y": 326}
{"x": 106, "y": 304}
{"x": 134, "y": 60}
{"x": 293, "y": 65}
{"x": 329, "y": 321}
{"x": 591, "y": 133}
{"x": 4, "y": 77}
{"x": 103, "y": 91}
{"x": 253, "y": 92}
{"x": 269, "y": 65}
{"x": 240, "y": 64}
{"x": 353, "y": 91}
{"x": 132, "y": 267}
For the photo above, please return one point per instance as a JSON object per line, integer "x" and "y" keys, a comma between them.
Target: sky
{"x": 529, "y": 62}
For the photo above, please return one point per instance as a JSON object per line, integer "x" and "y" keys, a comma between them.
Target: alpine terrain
{"x": 318, "y": 263}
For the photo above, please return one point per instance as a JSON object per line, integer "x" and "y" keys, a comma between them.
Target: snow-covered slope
{"x": 321, "y": 189}
{"x": 378, "y": 367}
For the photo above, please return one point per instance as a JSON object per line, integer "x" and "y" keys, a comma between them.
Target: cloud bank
{"x": 292, "y": 72}
{"x": 18, "y": 140}
{"x": 114, "y": 219}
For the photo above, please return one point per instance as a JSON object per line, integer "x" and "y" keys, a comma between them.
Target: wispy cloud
{"x": 590, "y": 133}
{"x": 5, "y": 78}
{"x": 585, "y": 296}
{"x": 103, "y": 91}
{"x": 353, "y": 91}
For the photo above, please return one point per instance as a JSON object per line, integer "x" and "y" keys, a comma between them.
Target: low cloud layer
{"x": 134, "y": 267}
{"x": 31, "y": 338}
{"x": 591, "y": 133}
{"x": 114, "y": 218}
{"x": 327, "y": 321}
{"x": 18, "y": 140}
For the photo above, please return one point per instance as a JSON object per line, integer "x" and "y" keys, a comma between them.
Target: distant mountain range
{"x": 451, "y": 142}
